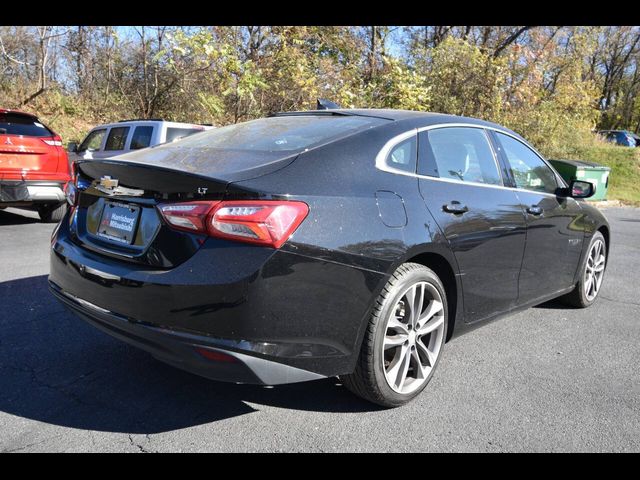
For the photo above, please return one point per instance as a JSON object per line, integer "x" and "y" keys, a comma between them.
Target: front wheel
{"x": 591, "y": 274}
{"x": 404, "y": 338}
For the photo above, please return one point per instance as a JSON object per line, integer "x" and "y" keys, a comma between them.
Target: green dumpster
{"x": 587, "y": 171}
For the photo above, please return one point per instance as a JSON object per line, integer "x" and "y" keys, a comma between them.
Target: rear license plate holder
{"x": 119, "y": 222}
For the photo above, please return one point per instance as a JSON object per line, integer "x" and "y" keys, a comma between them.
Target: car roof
{"x": 415, "y": 118}
{"x": 17, "y": 112}
{"x": 125, "y": 123}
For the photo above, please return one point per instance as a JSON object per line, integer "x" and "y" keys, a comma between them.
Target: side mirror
{"x": 72, "y": 147}
{"x": 581, "y": 189}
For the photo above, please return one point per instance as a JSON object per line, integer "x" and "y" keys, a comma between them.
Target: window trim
{"x": 380, "y": 161}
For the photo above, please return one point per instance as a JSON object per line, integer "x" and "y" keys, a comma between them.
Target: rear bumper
{"x": 180, "y": 349}
{"x": 31, "y": 191}
{"x": 286, "y": 317}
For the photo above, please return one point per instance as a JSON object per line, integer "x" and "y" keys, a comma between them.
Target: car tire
{"x": 375, "y": 378}
{"x": 49, "y": 214}
{"x": 582, "y": 296}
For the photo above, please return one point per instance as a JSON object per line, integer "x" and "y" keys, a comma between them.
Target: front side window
{"x": 459, "y": 153}
{"x": 527, "y": 168}
{"x": 117, "y": 138}
{"x": 141, "y": 137}
{"x": 93, "y": 141}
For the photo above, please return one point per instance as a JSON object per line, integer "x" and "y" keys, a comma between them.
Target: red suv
{"x": 34, "y": 168}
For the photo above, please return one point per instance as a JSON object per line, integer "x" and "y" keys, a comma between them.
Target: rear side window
{"x": 93, "y": 141}
{"x": 459, "y": 153}
{"x": 528, "y": 169}
{"x": 403, "y": 156}
{"x": 141, "y": 138}
{"x": 277, "y": 134}
{"x": 178, "y": 133}
{"x": 117, "y": 138}
{"x": 16, "y": 124}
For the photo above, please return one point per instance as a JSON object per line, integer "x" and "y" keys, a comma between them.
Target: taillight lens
{"x": 191, "y": 216}
{"x": 263, "y": 222}
{"x": 53, "y": 141}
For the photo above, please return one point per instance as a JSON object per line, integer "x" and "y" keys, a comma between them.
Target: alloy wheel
{"x": 413, "y": 337}
{"x": 594, "y": 270}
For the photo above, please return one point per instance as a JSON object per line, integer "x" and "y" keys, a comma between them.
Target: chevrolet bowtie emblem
{"x": 108, "y": 182}
{"x": 110, "y": 186}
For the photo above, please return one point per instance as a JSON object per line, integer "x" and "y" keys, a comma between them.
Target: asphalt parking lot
{"x": 547, "y": 379}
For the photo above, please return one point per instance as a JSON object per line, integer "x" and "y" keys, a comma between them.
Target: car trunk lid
{"x": 117, "y": 213}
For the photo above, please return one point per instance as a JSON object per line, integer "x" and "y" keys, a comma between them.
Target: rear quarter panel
{"x": 344, "y": 228}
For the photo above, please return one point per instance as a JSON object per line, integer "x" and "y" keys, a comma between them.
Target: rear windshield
{"x": 178, "y": 133}
{"x": 277, "y": 134}
{"x": 16, "y": 124}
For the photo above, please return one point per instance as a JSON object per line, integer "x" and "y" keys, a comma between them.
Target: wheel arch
{"x": 604, "y": 230}
{"x": 446, "y": 272}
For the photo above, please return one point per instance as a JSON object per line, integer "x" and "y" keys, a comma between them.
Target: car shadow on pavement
{"x": 555, "y": 304}
{"x": 14, "y": 218}
{"x": 54, "y": 368}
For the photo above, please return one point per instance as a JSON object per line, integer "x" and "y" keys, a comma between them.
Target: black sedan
{"x": 349, "y": 243}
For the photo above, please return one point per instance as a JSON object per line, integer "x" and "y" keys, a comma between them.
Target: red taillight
{"x": 262, "y": 222}
{"x": 53, "y": 141}
{"x": 267, "y": 223}
{"x": 191, "y": 216}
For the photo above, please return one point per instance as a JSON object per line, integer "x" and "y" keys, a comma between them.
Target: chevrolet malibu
{"x": 350, "y": 243}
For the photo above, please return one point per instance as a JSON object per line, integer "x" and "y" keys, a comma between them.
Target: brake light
{"x": 263, "y": 222}
{"x": 191, "y": 216}
{"x": 54, "y": 141}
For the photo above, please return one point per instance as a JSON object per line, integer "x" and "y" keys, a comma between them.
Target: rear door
{"x": 554, "y": 234}
{"x": 141, "y": 137}
{"x": 482, "y": 220}
{"x": 115, "y": 143}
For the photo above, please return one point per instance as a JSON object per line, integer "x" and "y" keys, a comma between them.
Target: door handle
{"x": 534, "y": 210}
{"x": 455, "y": 207}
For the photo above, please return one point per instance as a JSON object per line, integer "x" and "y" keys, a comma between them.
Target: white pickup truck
{"x": 111, "y": 139}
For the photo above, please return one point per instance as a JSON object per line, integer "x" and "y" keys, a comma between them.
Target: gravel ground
{"x": 547, "y": 379}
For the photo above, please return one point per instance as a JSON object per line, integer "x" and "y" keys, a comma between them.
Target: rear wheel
{"x": 591, "y": 274}
{"x": 404, "y": 338}
{"x": 52, "y": 213}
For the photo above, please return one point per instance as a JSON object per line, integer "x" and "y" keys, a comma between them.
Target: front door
{"x": 554, "y": 234}
{"x": 480, "y": 218}
{"x": 91, "y": 145}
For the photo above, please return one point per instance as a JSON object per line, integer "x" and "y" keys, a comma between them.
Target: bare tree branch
{"x": 512, "y": 38}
